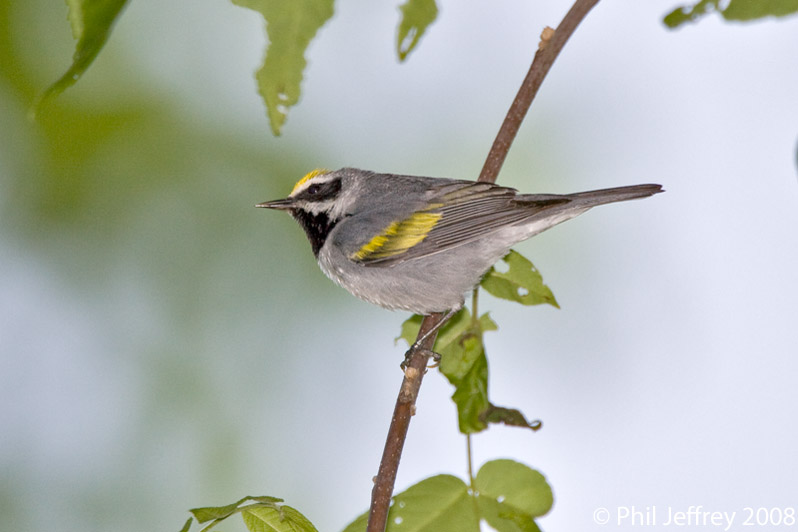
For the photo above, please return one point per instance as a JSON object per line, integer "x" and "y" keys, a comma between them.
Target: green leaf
{"x": 463, "y": 362}
{"x": 683, "y": 14}
{"x": 290, "y": 26}
{"x": 271, "y": 519}
{"x": 522, "y": 282}
{"x": 519, "y": 489}
{"x": 508, "y": 416}
{"x": 504, "y": 518}
{"x": 465, "y": 365}
{"x": 208, "y": 513}
{"x": 187, "y": 526}
{"x": 754, "y": 9}
{"x": 449, "y": 334}
{"x": 359, "y": 524}
{"x": 471, "y": 392}
{"x": 417, "y": 15}
{"x": 91, "y": 22}
{"x": 736, "y": 10}
{"x": 437, "y": 504}
{"x": 460, "y": 354}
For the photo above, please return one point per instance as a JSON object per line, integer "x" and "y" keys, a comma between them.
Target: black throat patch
{"x": 316, "y": 226}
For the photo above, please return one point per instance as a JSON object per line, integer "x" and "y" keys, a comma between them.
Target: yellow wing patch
{"x": 308, "y": 177}
{"x": 398, "y": 237}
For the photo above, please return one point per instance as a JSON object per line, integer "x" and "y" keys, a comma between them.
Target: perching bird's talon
{"x": 408, "y": 357}
{"x": 436, "y": 357}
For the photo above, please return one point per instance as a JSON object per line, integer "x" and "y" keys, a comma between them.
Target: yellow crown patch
{"x": 308, "y": 177}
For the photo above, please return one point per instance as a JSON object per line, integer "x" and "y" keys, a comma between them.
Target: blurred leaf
{"x": 208, "y": 513}
{"x": 91, "y": 22}
{"x": 754, "y": 9}
{"x": 417, "y": 15}
{"x": 411, "y": 326}
{"x": 280, "y": 519}
{"x": 290, "y": 26}
{"x": 522, "y": 283}
{"x": 511, "y": 493}
{"x": 683, "y": 14}
{"x": 265, "y": 515}
{"x": 187, "y": 526}
{"x": 437, "y": 504}
{"x": 359, "y": 524}
{"x": 736, "y": 10}
{"x": 65, "y": 186}
{"x": 504, "y": 518}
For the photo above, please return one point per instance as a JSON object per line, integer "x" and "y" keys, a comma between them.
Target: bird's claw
{"x": 436, "y": 357}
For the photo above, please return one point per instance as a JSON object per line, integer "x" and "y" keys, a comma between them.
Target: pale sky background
{"x": 142, "y": 374}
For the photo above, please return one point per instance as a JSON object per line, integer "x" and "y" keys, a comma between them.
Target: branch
{"x": 397, "y": 433}
{"x": 550, "y": 46}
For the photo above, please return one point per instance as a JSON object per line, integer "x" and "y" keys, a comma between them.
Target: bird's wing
{"x": 457, "y": 213}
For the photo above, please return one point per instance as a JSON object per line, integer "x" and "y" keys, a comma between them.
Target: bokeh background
{"x": 164, "y": 345}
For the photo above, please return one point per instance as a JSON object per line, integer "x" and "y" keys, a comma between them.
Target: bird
{"x": 417, "y": 243}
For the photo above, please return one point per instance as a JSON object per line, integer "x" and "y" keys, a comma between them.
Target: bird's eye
{"x": 314, "y": 189}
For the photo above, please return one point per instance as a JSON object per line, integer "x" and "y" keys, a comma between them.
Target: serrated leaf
{"x": 271, "y": 519}
{"x": 735, "y": 10}
{"x": 437, "y": 504}
{"x": 290, "y": 26}
{"x": 417, "y": 15}
{"x": 519, "y": 488}
{"x": 521, "y": 283}
{"x": 91, "y": 22}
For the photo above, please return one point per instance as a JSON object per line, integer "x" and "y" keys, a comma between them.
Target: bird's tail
{"x": 591, "y": 198}
{"x": 611, "y": 195}
{"x": 548, "y": 210}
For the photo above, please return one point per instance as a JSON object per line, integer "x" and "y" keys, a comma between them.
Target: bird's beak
{"x": 281, "y": 205}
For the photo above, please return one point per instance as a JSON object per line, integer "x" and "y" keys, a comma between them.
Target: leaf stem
{"x": 470, "y": 458}
{"x": 474, "y": 308}
{"x": 471, "y": 483}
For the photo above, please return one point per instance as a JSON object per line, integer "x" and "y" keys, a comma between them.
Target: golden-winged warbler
{"x": 419, "y": 243}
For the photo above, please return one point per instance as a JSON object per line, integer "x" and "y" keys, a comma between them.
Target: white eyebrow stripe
{"x": 315, "y": 176}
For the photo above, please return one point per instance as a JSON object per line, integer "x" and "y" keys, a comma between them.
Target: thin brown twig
{"x": 397, "y": 433}
{"x": 550, "y": 47}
